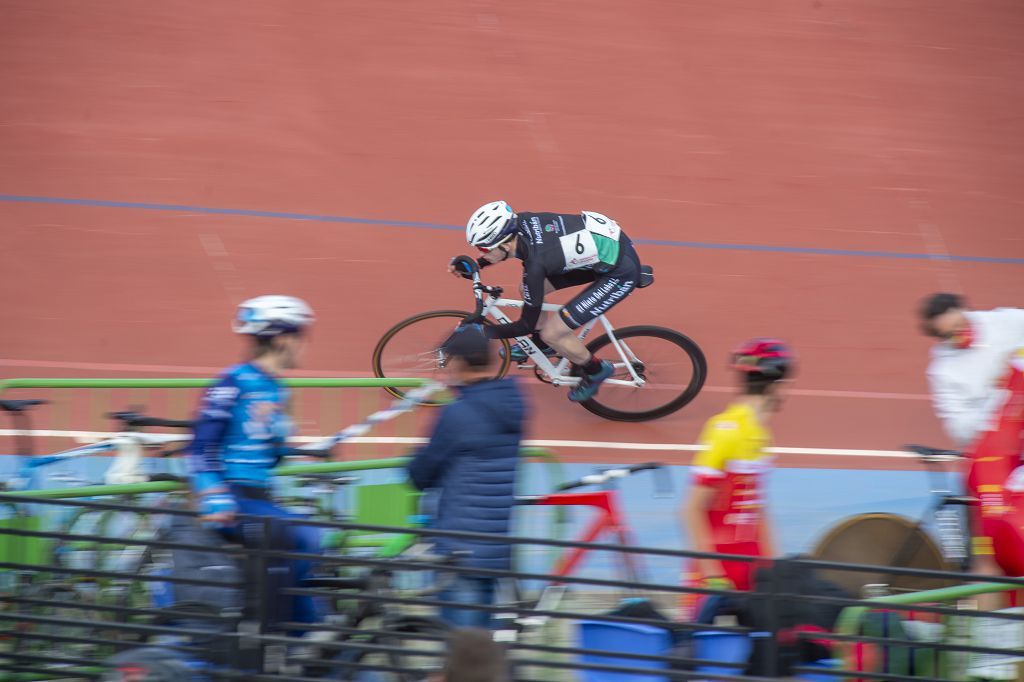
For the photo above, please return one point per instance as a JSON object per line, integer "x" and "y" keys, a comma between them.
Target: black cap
{"x": 469, "y": 343}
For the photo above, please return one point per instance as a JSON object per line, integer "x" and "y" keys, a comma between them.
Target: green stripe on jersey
{"x": 607, "y": 249}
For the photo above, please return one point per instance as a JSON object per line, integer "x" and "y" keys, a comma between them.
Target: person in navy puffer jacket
{"x": 472, "y": 459}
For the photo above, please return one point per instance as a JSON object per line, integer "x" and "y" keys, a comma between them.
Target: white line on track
{"x": 211, "y": 371}
{"x": 93, "y": 436}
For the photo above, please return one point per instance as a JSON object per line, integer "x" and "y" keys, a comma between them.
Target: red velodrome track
{"x": 805, "y": 169}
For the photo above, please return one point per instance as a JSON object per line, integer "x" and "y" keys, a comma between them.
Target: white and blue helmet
{"x": 272, "y": 315}
{"x": 490, "y": 225}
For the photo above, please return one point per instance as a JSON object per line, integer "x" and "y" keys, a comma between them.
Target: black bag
{"x": 791, "y": 615}
{"x": 199, "y": 564}
{"x": 215, "y": 609}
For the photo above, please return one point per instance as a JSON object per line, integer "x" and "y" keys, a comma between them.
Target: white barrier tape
{"x": 398, "y": 407}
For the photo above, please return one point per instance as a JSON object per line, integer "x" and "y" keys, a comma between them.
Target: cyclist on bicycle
{"x": 239, "y": 436}
{"x": 559, "y": 250}
{"x": 725, "y": 510}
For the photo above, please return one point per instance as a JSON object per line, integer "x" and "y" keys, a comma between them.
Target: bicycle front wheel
{"x": 672, "y": 366}
{"x": 412, "y": 350}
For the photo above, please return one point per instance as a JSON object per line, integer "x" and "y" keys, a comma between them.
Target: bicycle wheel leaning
{"x": 883, "y": 540}
{"x": 411, "y": 350}
{"x": 671, "y": 364}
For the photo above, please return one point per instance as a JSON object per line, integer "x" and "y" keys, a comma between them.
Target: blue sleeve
{"x": 215, "y": 412}
{"x": 428, "y": 464}
{"x": 284, "y": 426}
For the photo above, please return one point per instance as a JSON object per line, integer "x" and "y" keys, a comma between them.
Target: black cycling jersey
{"x": 552, "y": 244}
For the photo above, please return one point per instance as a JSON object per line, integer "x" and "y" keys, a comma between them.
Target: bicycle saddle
{"x": 20, "y": 405}
{"x": 135, "y": 420}
{"x": 646, "y": 277}
{"x": 932, "y": 453}
{"x": 328, "y": 478}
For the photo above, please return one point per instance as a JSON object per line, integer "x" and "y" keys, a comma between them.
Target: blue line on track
{"x": 765, "y": 248}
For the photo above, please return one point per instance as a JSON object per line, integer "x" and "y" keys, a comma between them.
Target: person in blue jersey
{"x": 240, "y": 435}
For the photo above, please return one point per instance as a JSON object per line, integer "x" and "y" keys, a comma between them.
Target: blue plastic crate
{"x": 623, "y": 638}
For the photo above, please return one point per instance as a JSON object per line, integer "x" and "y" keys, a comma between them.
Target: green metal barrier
{"x": 852, "y": 620}
{"x": 319, "y": 405}
{"x": 338, "y": 402}
{"x": 287, "y": 470}
{"x": 389, "y": 546}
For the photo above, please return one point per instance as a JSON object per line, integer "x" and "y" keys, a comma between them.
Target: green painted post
{"x": 850, "y": 618}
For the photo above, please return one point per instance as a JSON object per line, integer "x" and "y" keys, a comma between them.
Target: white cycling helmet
{"x": 272, "y": 315}
{"x": 490, "y": 225}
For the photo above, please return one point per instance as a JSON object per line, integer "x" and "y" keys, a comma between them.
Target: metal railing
{"x": 65, "y": 606}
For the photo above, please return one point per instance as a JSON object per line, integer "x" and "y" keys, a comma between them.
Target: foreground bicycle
{"x": 893, "y": 541}
{"x": 657, "y": 370}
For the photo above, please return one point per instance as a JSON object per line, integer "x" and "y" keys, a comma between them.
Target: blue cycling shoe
{"x": 590, "y": 383}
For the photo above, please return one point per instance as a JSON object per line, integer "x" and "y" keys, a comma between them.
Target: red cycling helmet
{"x": 770, "y": 358}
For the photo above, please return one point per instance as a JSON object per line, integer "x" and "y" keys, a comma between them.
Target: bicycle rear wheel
{"x": 883, "y": 540}
{"x": 672, "y": 365}
{"x": 411, "y": 350}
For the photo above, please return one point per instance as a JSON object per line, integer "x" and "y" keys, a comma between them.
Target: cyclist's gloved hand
{"x": 719, "y": 582}
{"x": 218, "y": 509}
{"x": 464, "y": 266}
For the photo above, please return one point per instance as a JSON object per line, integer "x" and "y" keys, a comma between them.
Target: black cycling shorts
{"x": 605, "y": 291}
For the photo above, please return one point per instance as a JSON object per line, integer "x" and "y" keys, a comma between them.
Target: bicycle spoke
{"x": 411, "y": 350}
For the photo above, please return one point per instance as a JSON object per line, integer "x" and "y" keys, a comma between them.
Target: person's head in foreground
{"x": 470, "y": 355}
{"x": 277, "y": 326}
{"x": 763, "y": 364}
{"x": 473, "y": 656}
{"x": 942, "y": 317}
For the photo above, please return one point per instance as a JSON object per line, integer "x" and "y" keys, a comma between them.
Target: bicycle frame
{"x": 127, "y": 445}
{"x": 608, "y": 521}
{"x": 559, "y": 374}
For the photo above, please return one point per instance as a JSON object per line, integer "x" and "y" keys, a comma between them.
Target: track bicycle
{"x": 128, "y": 446}
{"x": 609, "y": 525}
{"x": 657, "y": 370}
{"x": 892, "y": 540}
{"x": 59, "y": 595}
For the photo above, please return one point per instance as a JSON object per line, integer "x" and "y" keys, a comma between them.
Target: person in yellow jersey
{"x": 724, "y": 512}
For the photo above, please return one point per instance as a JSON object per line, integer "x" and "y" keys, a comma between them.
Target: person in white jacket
{"x": 971, "y": 360}
{"x": 975, "y": 378}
